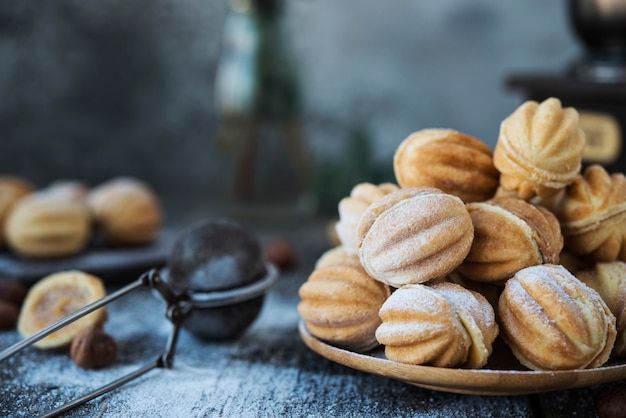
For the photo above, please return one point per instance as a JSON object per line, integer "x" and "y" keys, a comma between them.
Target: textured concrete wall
{"x": 93, "y": 89}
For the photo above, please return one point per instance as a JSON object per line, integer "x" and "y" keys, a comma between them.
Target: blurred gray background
{"x": 94, "y": 89}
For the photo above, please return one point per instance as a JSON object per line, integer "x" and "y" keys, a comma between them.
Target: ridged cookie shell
{"x": 477, "y": 316}
{"x": 414, "y": 235}
{"x": 448, "y": 160}
{"x": 553, "y": 321}
{"x": 351, "y": 209}
{"x": 44, "y": 226}
{"x": 421, "y": 326}
{"x": 510, "y": 234}
{"x": 340, "y": 304}
{"x": 609, "y": 280}
{"x": 539, "y": 149}
{"x": 592, "y": 214}
{"x": 126, "y": 211}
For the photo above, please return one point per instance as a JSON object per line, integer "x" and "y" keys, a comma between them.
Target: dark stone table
{"x": 267, "y": 372}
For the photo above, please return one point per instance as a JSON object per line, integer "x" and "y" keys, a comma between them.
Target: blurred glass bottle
{"x": 258, "y": 101}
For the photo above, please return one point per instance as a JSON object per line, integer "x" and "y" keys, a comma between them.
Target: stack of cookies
{"x": 470, "y": 245}
{"x": 62, "y": 219}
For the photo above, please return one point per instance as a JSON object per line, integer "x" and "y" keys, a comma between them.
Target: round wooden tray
{"x": 494, "y": 379}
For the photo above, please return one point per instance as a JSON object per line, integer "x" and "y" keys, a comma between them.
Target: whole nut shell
{"x": 12, "y": 291}
{"x": 8, "y": 315}
{"x": 281, "y": 253}
{"x": 92, "y": 348}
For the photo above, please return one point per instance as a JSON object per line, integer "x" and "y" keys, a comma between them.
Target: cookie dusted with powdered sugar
{"x": 553, "y": 321}
{"x": 414, "y": 235}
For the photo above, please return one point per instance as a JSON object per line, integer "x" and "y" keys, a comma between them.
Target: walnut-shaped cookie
{"x": 440, "y": 324}
{"x": 12, "y": 188}
{"x": 539, "y": 149}
{"x": 448, "y": 160}
{"x": 553, "y": 321}
{"x": 126, "y": 211}
{"x": 510, "y": 234}
{"x": 44, "y": 225}
{"x": 592, "y": 214}
{"x": 339, "y": 304}
{"x": 609, "y": 280}
{"x": 352, "y": 207}
{"x": 414, "y": 235}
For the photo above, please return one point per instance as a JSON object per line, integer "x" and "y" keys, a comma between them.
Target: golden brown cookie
{"x": 448, "y": 160}
{"x": 510, "y": 234}
{"x": 592, "y": 214}
{"x": 539, "y": 149}
{"x": 553, "y": 321}
{"x": 56, "y": 296}
{"x": 609, "y": 280}
{"x": 16, "y": 186}
{"x": 440, "y": 324}
{"x": 43, "y": 225}
{"x": 337, "y": 255}
{"x": 340, "y": 304}
{"x": 477, "y": 316}
{"x": 126, "y": 211}
{"x": 12, "y": 188}
{"x": 414, "y": 235}
{"x": 352, "y": 207}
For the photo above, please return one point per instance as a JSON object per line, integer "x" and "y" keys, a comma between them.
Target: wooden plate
{"x": 502, "y": 376}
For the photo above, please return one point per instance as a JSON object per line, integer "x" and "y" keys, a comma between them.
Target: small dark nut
{"x": 9, "y": 313}
{"x": 611, "y": 402}
{"x": 12, "y": 291}
{"x": 93, "y": 348}
{"x": 280, "y": 252}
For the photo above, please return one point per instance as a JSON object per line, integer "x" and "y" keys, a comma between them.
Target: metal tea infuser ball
{"x": 214, "y": 286}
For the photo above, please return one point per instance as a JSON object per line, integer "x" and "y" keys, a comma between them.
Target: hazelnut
{"x": 12, "y": 291}
{"x": 611, "y": 402}
{"x": 8, "y": 315}
{"x": 280, "y": 252}
{"x": 92, "y": 348}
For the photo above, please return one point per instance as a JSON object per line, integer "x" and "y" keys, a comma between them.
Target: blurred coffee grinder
{"x": 258, "y": 102}
{"x": 595, "y": 84}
